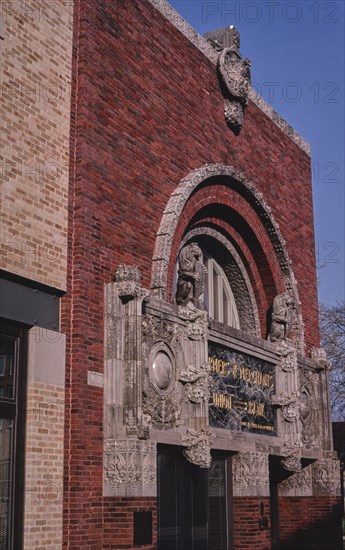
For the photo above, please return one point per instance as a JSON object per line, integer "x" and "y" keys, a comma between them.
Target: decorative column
{"x": 130, "y": 459}
{"x": 175, "y": 390}
{"x": 309, "y": 499}
{"x": 194, "y": 377}
{"x": 175, "y": 348}
{"x": 287, "y": 398}
{"x": 318, "y": 355}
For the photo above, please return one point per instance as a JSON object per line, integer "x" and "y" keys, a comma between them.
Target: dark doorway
{"x": 192, "y": 503}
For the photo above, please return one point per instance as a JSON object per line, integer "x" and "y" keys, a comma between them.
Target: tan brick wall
{"x": 44, "y": 468}
{"x": 35, "y": 81}
{"x": 44, "y": 441}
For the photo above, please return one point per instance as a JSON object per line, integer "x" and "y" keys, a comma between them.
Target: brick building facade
{"x": 190, "y": 408}
{"x": 36, "y": 65}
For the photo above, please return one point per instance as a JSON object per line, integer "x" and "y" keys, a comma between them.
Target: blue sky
{"x": 297, "y": 53}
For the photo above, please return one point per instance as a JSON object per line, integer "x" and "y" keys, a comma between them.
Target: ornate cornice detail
{"x": 288, "y": 130}
{"x": 250, "y": 470}
{"x": 300, "y": 480}
{"x": 198, "y": 444}
{"x": 127, "y": 273}
{"x": 131, "y": 290}
{"x": 185, "y": 28}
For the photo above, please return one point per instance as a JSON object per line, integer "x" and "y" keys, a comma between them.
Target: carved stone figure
{"x": 282, "y": 317}
{"x": 190, "y": 282}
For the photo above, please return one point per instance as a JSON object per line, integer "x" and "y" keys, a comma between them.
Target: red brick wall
{"x": 310, "y": 523}
{"x": 118, "y": 521}
{"x": 146, "y": 110}
{"x": 248, "y": 531}
{"x": 150, "y": 111}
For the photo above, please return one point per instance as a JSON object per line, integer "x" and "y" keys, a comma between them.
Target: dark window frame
{"x": 15, "y": 409}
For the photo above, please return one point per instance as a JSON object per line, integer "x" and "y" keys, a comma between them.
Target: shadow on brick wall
{"x": 323, "y": 535}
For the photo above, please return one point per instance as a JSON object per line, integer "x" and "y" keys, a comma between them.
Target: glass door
{"x": 218, "y": 512}
{"x": 192, "y": 504}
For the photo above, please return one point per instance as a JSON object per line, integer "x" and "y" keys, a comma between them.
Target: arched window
{"x": 219, "y": 299}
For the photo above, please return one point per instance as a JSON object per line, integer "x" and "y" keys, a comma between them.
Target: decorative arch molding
{"x": 238, "y": 279}
{"x": 170, "y": 220}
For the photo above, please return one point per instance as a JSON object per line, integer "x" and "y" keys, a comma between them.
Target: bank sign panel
{"x": 241, "y": 388}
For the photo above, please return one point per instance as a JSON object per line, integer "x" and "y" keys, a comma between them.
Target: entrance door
{"x": 192, "y": 504}
{"x": 12, "y": 402}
